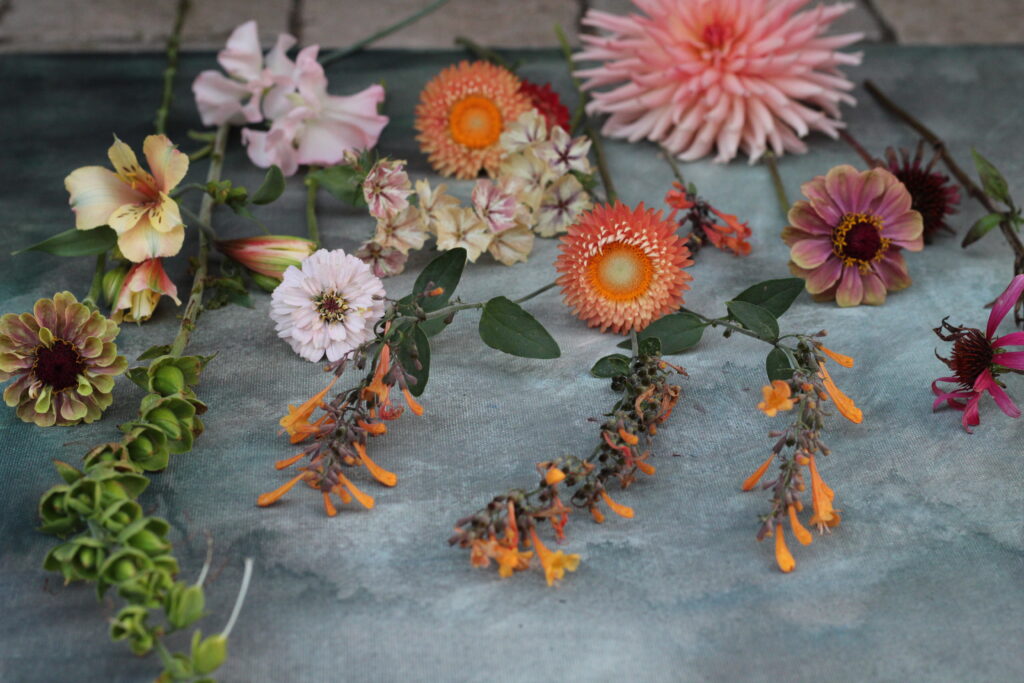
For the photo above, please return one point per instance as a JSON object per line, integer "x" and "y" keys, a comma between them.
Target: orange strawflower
{"x": 621, "y": 268}
{"x": 752, "y": 480}
{"x": 783, "y": 557}
{"x": 777, "y": 396}
{"x": 844, "y": 404}
{"x": 555, "y": 564}
{"x": 821, "y": 498}
{"x": 461, "y": 115}
{"x": 296, "y": 422}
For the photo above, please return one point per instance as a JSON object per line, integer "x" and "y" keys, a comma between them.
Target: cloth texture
{"x": 921, "y": 581}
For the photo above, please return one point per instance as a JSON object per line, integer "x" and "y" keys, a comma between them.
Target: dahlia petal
{"x": 1006, "y": 301}
{"x": 167, "y": 164}
{"x": 96, "y": 193}
{"x": 810, "y": 253}
{"x": 851, "y": 288}
{"x": 824, "y": 277}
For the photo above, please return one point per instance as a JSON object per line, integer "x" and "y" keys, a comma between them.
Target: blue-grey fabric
{"x": 922, "y": 581}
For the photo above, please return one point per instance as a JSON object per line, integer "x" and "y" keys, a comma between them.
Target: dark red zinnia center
{"x": 862, "y": 242}
{"x": 58, "y": 366}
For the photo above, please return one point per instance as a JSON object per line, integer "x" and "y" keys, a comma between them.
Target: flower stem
{"x": 454, "y": 308}
{"x": 173, "y": 44}
{"x": 857, "y": 147}
{"x": 312, "y": 185}
{"x": 724, "y": 322}
{"x": 536, "y": 292}
{"x": 484, "y": 53}
{"x": 670, "y": 159}
{"x": 780, "y": 188}
{"x": 581, "y": 98}
{"x": 96, "y": 288}
{"x": 240, "y": 600}
{"x": 383, "y": 33}
{"x": 195, "y": 299}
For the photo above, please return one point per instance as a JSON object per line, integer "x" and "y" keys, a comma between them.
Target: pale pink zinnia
{"x": 977, "y": 361}
{"x": 846, "y": 241}
{"x": 387, "y": 188}
{"x": 328, "y": 305}
{"x": 728, "y": 75}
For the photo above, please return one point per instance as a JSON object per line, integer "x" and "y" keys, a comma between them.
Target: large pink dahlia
{"x": 693, "y": 75}
{"x": 846, "y": 241}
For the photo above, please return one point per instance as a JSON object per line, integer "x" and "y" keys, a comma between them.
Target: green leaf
{"x": 417, "y": 339}
{"x": 505, "y": 326}
{"x": 272, "y": 187}
{"x": 344, "y": 182}
{"x": 677, "y": 333}
{"x": 650, "y": 346}
{"x": 778, "y": 365}
{"x": 445, "y": 271}
{"x": 140, "y": 376}
{"x": 774, "y": 295}
{"x": 981, "y": 228}
{"x": 757, "y": 319}
{"x": 155, "y": 352}
{"x": 992, "y": 181}
{"x": 76, "y": 242}
{"x": 611, "y": 366}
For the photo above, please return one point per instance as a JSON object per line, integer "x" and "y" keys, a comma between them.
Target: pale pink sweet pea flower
{"x": 495, "y": 205}
{"x": 977, "y": 360}
{"x": 141, "y": 290}
{"x": 252, "y": 81}
{"x": 563, "y": 153}
{"x": 319, "y": 127}
{"x": 135, "y": 203}
{"x": 387, "y": 188}
{"x": 383, "y": 261}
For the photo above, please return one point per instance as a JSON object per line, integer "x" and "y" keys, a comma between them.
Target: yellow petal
{"x": 96, "y": 193}
{"x": 123, "y": 159}
{"x": 143, "y": 242}
{"x": 127, "y": 217}
{"x": 166, "y": 215}
{"x": 166, "y": 163}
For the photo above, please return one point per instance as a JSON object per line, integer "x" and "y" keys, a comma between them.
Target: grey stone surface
{"x": 954, "y": 21}
{"x": 920, "y": 582}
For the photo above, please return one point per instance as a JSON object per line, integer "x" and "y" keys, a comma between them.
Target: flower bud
{"x": 268, "y": 255}
{"x": 267, "y": 284}
{"x": 130, "y": 624}
{"x": 184, "y": 604}
{"x": 57, "y": 517}
{"x": 209, "y": 654}
{"x": 113, "y": 280}
{"x": 168, "y": 379}
{"x": 147, "y": 446}
{"x": 141, "y": 290}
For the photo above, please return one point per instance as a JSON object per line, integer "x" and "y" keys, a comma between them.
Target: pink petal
{"x": 1004, "y": 304}
{"x": 825, "y": 276}
{"x": 971, "y": 417}
{"x": 219, "y": 99}
{"x": 804, "y": 217}
{"x": 986, "y": 382}
{"x": 1012, "y": 339}
{"x": 844, "y": 183}
{"x": 851, "y": 288}
{"x": 874, "y": 289}
{"x": 1010, "y": 359}
{"x": 810, "y": 253}
{"x": 892, "y": 268}
{"x": 166, "y": 163}
{"x": 821, "y": 201}
{"x": 906, "y": 231}
{"x": 241, "y": 56}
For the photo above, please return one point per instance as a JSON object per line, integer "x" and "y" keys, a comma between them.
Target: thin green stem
{"x": 96, "y": 288}
{"x": 780, "y": 188}
{"x": 602, "y": 165}
{"x": 454, "y": 308}
{"x": 195, "y": 299}
{"x": 536, "y": 292}
{"x": 481, "y": 52}
{"x": 724, "y": 322}
{"x": 173, "y": 45}
{"x": 196, "y": 220}
{"x": 634, "y": 343}
{"x": 356, "y": 47}
{"x": 581, "y": 99}
{"x": 311, "y": 222}
{"x": 671, "y": 161}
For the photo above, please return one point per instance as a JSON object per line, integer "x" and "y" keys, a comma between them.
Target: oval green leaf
{"x": 611, "y": 366}
{"x": 757, "y": 319}
{"x": 76, "y": 242}
{"x": 778, "y": 365}
{"x": 776, "y": 296}
{"x": 271, "y": 188}
{"x": 415, "y": 339}
{"x": 505, "y": 326}
{"x": 677, "y": 332}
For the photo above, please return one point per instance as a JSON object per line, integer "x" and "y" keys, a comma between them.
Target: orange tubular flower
{"x": 414, "y": 406}
{"x": 328, "y": 505}
{"x": 288, "y": 462}
{"x": 377, "y": 388}
{"x": 842, "y": 359}
{"x": 266, "y": 499}
{"x": 783, "y": 557}
{"x": 296, "y": 422}
{"x": 378, "y": 472}
{"x": 511, "y": 559}
{"x": 821, "y": 498}
{"x": 555, "y": 564}
{"x": 597, "y": 514}
{"x": 631, "y": 439}
{"x": 777, "y": 396}
{"x": 373, "y": 428}
{"x": 645, "y": 467}
{"x": 802, "y": 534}
{"x": 364, "y": 500}
{"x": 617, "y": 508}
{"x": 752, "y": 480}
{"x": 553, "y": 476}
{"x": 844, "y": 404}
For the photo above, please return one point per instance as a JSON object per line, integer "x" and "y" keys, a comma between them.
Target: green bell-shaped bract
{"x": 147, "y": 446}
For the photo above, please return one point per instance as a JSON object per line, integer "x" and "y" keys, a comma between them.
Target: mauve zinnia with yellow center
{"x": 846, "y": 241}
{"x": 621, "y": 268}
{"x": 725, "y": 75}
{"x": 462, "y": 113}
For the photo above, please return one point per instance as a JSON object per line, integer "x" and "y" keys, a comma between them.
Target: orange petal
{"x": 415, "y": 407}
{"x": 328, "y": 505}
{"x": 553, "y": 476}
{"x": 364, "y": 500}
{"x": 631, "y": 439}
{"x": 843, "y": 360}
{"x": 302, "y": 413}
{"x": 597, "y": 515}
{"x": 844, "y": 404}
{"x": 288, "y": 462}
{"x": 378, "y": 472}
{"x": 645, "y": 467}
{"x": 374, "y": 428}
{"x": 617, "y": 508}
{"x": 345, "y": 496}
{"x": 266, "y": 499}
{"x": 752, "y": 480}
{"x": 783, "y": 557}
{"x": 802, "y": 534}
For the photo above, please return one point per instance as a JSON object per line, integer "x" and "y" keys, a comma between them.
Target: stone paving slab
{"x": 939, "y": 22}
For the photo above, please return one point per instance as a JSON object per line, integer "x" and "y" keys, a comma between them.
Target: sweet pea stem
{"x": 780, "y": 188}
{"x": 724, "y": 322}
{"x": 96, "y": 288}
{"x": 454, "y": 308}
{"x": 173, "y": 44}
{"x": 311, "y": 222}
{"x": 383, "y": 33}
{"x": 195, "y": 299}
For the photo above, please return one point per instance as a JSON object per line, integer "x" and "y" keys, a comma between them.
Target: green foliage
{"x": 342, "y": 182}
{"x": 613, "y": 365}
{"x": 445, "y": 272}
{"x": 414, "y": 354}
{"x": 677, "y": 332}
{"x": 992, "y": 180}
{"x": 76, "y": 242}
{"x": 775, "y": 296}
{"x": 981, "y": 227}
{"x": 778, "y": 365}
{"x": 505, "y": 326}
{"x": 271, "y": 188}
{"x": 754, "y": 318}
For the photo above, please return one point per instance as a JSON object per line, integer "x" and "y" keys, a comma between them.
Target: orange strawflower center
{"x": 475, "y": 122}
{"x": 620, "y": 272}
{"x": 858, "y": 241}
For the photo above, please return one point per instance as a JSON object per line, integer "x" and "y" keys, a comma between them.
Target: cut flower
{"x": 141, "y": 290}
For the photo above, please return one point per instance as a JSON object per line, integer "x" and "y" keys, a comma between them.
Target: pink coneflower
{"x": 698, "y": 75}
{"x": 977, "y": 360}
{"x": 846, "y": 241}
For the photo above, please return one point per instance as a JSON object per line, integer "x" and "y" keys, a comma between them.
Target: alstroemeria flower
{"x": 978, "y": 359}
{"x": 319, "y": 128}
{"x": 260, "y": 81}
{"x": 141, "y": 290}
{"x": 135, "y": 203}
